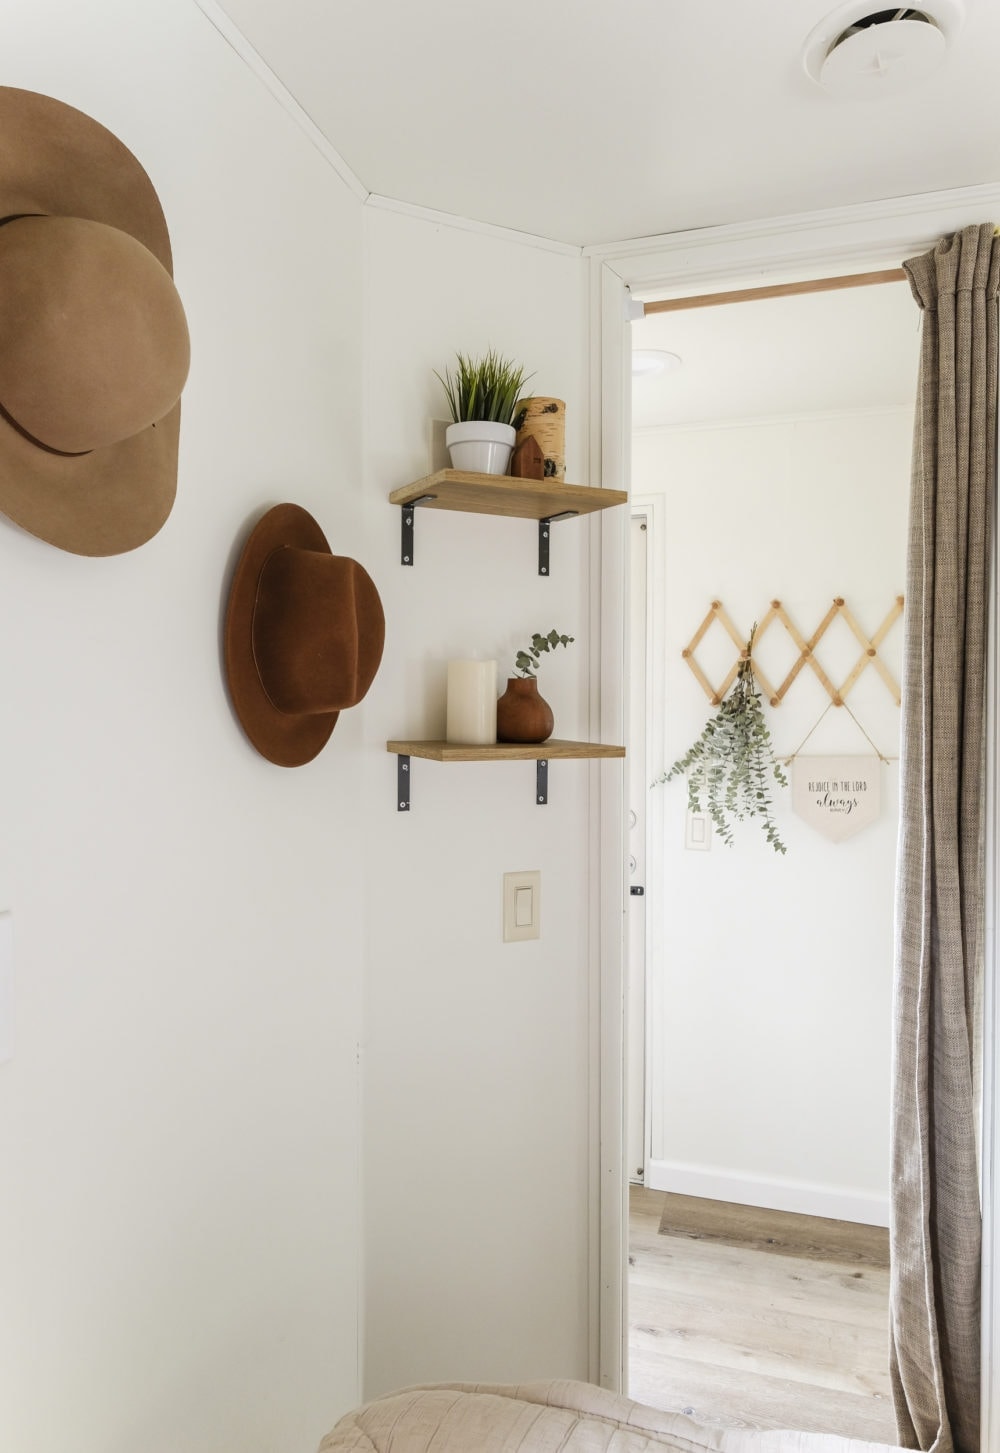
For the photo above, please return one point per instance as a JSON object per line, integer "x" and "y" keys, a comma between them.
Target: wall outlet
{"x": 522, "y": 906}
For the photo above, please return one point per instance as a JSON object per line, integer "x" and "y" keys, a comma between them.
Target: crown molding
{"x": 796, "y": 243}
{"x": 470, "y": 224}
{"x": 255, "y": 62}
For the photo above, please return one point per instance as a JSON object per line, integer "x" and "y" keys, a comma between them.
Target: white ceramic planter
{"x": 479, "y": 446}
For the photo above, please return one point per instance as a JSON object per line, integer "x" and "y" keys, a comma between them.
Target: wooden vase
{"x": 523, "y": 715}
{"x": 544, "y": 420}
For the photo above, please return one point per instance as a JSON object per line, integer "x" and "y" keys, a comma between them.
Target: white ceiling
{"x": 819, "y": 353}
{"x": 588, "y": 122}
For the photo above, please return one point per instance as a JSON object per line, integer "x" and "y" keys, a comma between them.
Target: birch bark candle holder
{"x": 544, "y": 420}
{"x": 472, "y": 702}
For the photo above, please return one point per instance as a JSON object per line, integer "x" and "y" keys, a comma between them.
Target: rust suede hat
{"x": 94, "y": 347}
{"x": 304, "y": 636}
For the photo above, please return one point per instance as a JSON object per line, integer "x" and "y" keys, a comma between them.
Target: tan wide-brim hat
{"x": 303, "y": 638}
{"x": 94, "y": 346}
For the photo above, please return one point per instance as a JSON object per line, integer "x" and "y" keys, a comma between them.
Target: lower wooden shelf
{"x": 540, "y": 752}
{"x": 502, "y": 751}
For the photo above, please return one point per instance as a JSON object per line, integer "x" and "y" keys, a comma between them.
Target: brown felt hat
{"x": 94, "y": 345}
{"x": 304, "y": 636}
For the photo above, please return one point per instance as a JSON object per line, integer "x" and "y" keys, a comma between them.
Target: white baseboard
{"x": 804, "y": 1197}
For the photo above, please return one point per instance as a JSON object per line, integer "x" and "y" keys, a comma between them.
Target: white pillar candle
{"x": 472, "y": 702}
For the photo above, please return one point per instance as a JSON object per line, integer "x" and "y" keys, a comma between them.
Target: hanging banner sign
{"x": 837, "y": 796}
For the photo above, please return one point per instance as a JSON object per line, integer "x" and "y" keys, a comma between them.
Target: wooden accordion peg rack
{"x": 837, "y": 694}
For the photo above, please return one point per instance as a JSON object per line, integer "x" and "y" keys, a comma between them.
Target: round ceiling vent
{"x": 864, "y": 54}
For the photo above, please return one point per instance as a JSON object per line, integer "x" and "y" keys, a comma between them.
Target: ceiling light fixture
{"x": 857, "y": 53}
{"x": 647, "y": 362}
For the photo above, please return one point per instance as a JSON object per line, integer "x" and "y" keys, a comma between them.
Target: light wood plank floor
{"x": 758, "y": 1319}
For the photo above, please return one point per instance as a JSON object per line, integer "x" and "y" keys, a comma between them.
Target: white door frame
{"x": 649, "y": 508}
{"x": 783, "y": 249}
{"x": 637, "y": 1121}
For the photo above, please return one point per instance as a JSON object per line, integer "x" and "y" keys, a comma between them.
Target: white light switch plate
{"x": 698, "y": 832}
{"x": 521, "y": 905}
{"x": 6, "y": 986}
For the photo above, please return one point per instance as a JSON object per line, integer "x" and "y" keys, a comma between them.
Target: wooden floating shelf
{"x": 500, "y": 494}
{"x": 502, "y": 751}
{"x": 539, "y": 752}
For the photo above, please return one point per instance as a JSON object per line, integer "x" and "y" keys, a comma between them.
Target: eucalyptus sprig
{"x": 526, "y": 663}
{"x": 484, "y": 388}
{"x": 729, "y": 766}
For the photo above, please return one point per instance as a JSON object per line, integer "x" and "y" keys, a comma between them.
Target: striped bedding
{"x": 548, "y": 1417}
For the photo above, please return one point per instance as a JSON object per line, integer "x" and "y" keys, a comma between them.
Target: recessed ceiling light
{"x": 649, "y": 361}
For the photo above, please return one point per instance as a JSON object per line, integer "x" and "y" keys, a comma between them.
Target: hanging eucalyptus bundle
{"x": 730, "y": 765}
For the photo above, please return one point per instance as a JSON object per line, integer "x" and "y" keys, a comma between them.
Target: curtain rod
{"x": 777, "y": 290}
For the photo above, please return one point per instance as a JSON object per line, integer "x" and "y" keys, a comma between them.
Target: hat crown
{"x": 317, "y": 631}
{"x": 95, "y": 342}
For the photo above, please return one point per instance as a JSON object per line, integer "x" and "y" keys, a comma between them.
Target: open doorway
{"x": 772, "y": 465}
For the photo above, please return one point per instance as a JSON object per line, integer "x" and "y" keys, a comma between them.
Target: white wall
{"x": 771, "y": 1004}
{"x": 181, "y": 1226}
{"x": 476, "y": 1087}
{"x": 179, "y": 1136}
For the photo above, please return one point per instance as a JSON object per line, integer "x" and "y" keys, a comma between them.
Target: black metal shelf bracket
{"x": 543, "y": 538}
{"x": 406, "y": 537}
{"x": 543, "y": 546}
{"x": 402, "y": 783}
{"x": 407, "y": 531}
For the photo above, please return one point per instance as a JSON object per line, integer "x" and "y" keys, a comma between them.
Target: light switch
{"x": 698, "y": 831}
{"x": 521, "y": 903}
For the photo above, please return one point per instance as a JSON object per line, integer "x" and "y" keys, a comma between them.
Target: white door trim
{"x": 807, "y": 241}
{"x": 785, "y": 249}
{"x": 611, "y": 385}
{"x": 653, "y": 507}
{"x": 637, "y": 839}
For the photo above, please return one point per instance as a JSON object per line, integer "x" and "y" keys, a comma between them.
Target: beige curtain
{"x": 935, "y": 1223}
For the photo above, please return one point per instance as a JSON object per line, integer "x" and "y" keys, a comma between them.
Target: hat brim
{"x": 103, "y": 503}
{"x": 58, "y": 161}
{"x": 286, "y": 740}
